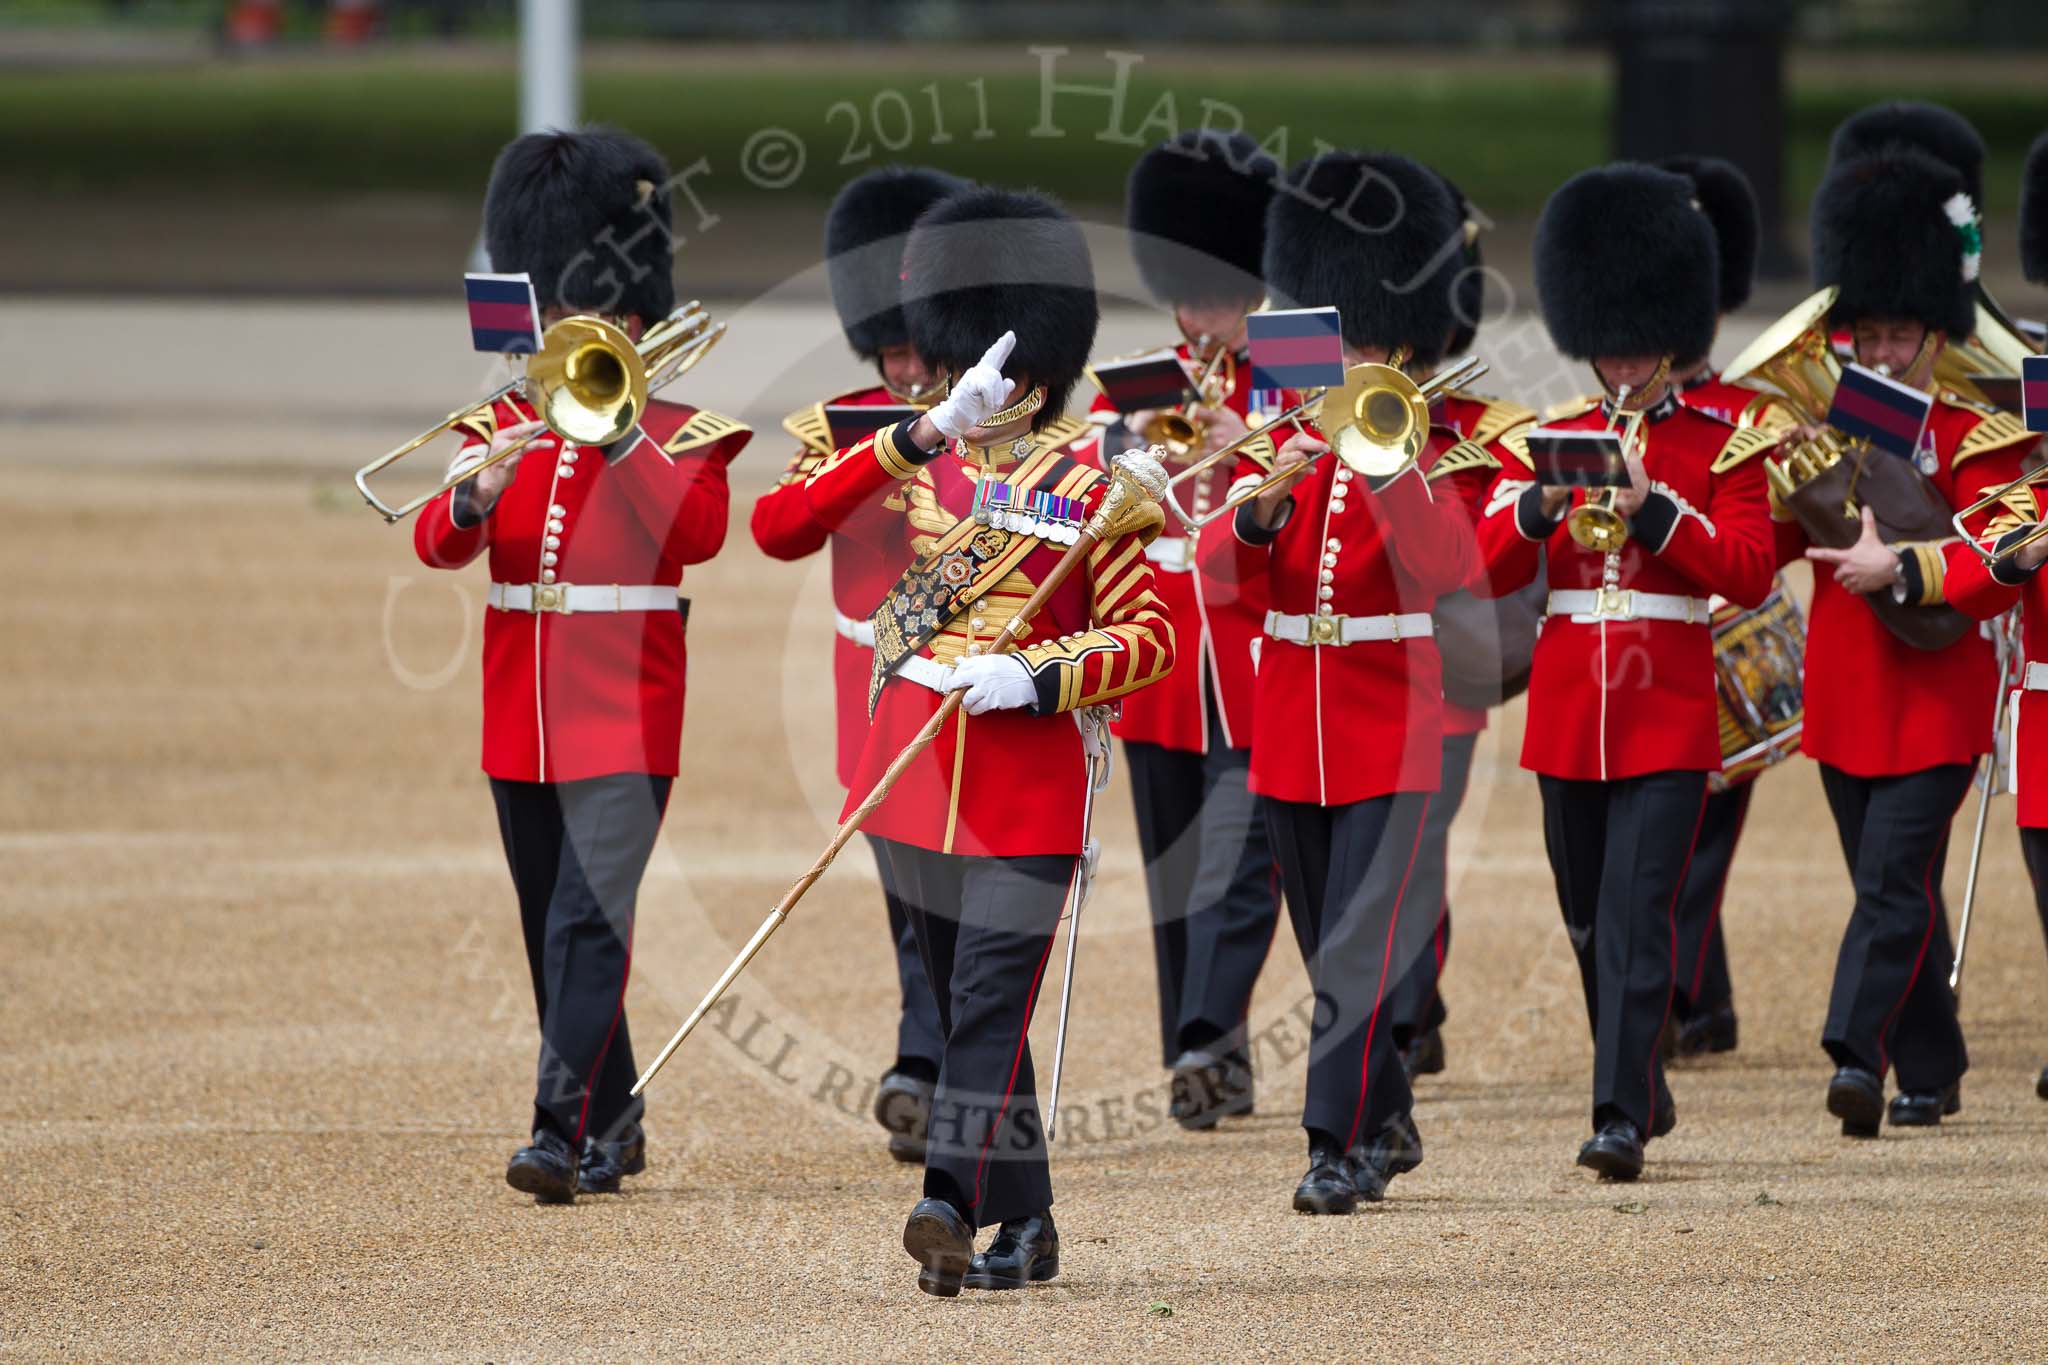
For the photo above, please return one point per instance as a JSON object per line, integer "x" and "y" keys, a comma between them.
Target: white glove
{"x": 977, "y": 394}
{"x": 994, "y": 682}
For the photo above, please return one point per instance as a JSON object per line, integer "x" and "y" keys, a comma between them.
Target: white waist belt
{"x": 861, "y": 633}
{"x": 1626, "y": 604}
{"x": 1174, "y": 555}
{"x": 1348, "y": 630}
{"x": 569, "y": 598}
{"x": 2036, "y": 679}
{"x": 925, "y": 671}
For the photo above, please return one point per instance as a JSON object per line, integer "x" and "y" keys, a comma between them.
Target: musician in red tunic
{"x": 1897, "y": 729}
{"x": 864, "y": 234}
{"x": 1623, "y": 728}
{"x": 583, "y": 640}
{"x": 986, "y": 831}
{"x": 1196, "y": 210}
{"x": 1347, "y": 732}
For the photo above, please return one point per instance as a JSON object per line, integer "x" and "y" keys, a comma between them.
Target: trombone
{"x": 1381, "y": 424}
{"x": 1178, "y": 429}
{"x": 1995, "y": 552}
{"x": 589, "y": 383}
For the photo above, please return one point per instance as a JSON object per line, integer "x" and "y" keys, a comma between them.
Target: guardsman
{"x": 1897, "y": 730}
{"x": 583, "y": 640}
{"x": 1622, "y": 725}
{"x": 1196, "y": 209}
{"x": 1347, "y": 736}
{"x": 985, "y": 832}
{"x": 864, "y": 235}
{"x": 1484, "y": 644}
{"x": 1703, "y": 1006}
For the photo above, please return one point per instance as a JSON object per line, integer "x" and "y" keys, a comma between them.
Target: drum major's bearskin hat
{"x": 1894, "y": 232}
{"x": 1724, "y": 193}
{"x": 1626, "y": 265}
{"x": 865, "y": 230}
{"x": 986, "y": 261}
{"x": 1196, "y": 208}
{"x": 1940, "y": 132}
{"x": 2034, "y": 213}
{"x": 586, "y": 214}
{"x": 1468, "y": 286}
{"x": 1367, "y": 232}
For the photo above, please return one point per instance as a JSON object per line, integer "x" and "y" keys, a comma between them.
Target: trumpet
{"x": 1996, "y": 553}
{"x": 1381, "y": 422}
{"x": 1594, "y": 524}
{"x": 1179, "y": 429}
{"x": 589, "y": 384}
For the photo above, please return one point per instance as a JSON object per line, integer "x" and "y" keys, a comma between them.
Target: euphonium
{"x": 1993, "y": 351}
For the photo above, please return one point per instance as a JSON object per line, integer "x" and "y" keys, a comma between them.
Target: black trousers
{"x": 985, "y": 929}
{"x": 2034, "y": 848}
{"x": 919, "y": 1040}
{"x": 1349, "y": 871}
{"x": 577, "y": 851}
{"x": 1213, "y": 888}
{"x": 1425, "y": 941}
{"x": 1891, "y": 1008}
{"x": 1703, "y": 981}
{"x": 1618, "y": 851}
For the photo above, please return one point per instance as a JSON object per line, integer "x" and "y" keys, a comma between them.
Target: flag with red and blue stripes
{"x": 2034, "y": 392}
{"x": 1296, "y": 348}
{"x": 1872, "y": 407}
{"x": 504, "y": 317}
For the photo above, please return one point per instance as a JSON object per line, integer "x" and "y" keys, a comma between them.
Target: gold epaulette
{"x": 1743, "y": 443}
{"x": 1998, "y": 431}
{"x": 704, "y": 428}
{"x": 2020, "y": 507}
{"x": 1571, "y": 407}
{"x": 1499, "y": 416}
{"x": 1767, "y": 412}
{"x": 1964, "y": 401}
{"x": 1063, "y": 431}
{"x": 481, "y": 423}
{"x": 1260, "y": 448}
{"x": 1516, "y": 443}
{"x": 1462, "y": 456}
{"x": 810, "y": 427}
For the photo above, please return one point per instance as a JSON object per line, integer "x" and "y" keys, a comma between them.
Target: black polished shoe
{"x": 546, "y": 1170}
{"x": 1712, "y": 1031}
{"x": 1615, "y": 1152}
{"x": 1208, "y": 1088}
{"x": 1395, "y": 1150}
{"x": 903, "y": 1106}
{"x": 1923, "y": 1108}
{"x": 1025, "y": 1251}
{"x": 1425, "y": 1055}
{"x": 939, "y": 1240}
{"x": 2041, "y": 1083}
{"x": 604, "y": 1163}
{"x": 1328, "y": 1187}
{"x": 1856, "y": 1097}
{"x": 1666, "y": 1120}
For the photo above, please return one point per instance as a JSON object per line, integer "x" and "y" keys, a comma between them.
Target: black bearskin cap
{"x": 1882, "y": 235}
{"x": 1367, "y": 233}
{"x": 1468, "y": 287}
{"x": 986, "y": 261}
{"x": 1725, "y": 195}
{"x": 2034, "y": 213}
{"x": 1626, "y": 264}
{"x": 864, "y": 234}
{"x": 1196, "y": 208}
{"x": 1940, "y": 132}
{"x": 586, "y": 214}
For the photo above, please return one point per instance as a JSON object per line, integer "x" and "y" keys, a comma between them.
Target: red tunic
{"x": 590, "y": 693}
{"x": 1734, "y": 404}
{"x": 785, "y": 529}
{"x": 1875, "y": 705}
{"x": 1007, "y": 783}
{"x": 1218, "y": 623}
{"x": 1484, "y": 421}
{"x": 1338, "y": 724}
{"x": 1976, "y": 591}
{"x": 1613, "y": 698}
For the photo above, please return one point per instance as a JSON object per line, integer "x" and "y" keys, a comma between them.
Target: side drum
{"x": 1759, "y": 669}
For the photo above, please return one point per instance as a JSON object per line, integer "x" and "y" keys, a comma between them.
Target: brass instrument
{"x": 1381, "y": 424}
{"x": 1993, "y": 554}
{"x": 589, "y": 384}
{"x": 1179, "y": 429}
{"x": 1594, "y": 524}
{"x": 1993, "y": 350}
{"x": 1796, "y": 359}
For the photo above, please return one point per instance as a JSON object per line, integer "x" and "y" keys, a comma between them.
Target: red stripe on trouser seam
{"x": 597, "y": 1064}
{"x": 1699, "y": 966}
{"x": 1671, "y": 921}
{"x": 1380, "y": 993}
{"x": 1926, "y": 937}
{"x": 1023, "y": 1040}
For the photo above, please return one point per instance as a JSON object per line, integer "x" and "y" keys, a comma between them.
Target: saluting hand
{"x": 1867, "y": 566}
{"x": 974, "y": 397}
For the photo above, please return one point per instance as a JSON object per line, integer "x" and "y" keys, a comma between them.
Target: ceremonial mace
{"x": 1129, "y": 506}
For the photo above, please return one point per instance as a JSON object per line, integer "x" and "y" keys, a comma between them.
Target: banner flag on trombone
{"x": 2034, "y": 392}
{"x": 504, "y": 316}
{"x": 1296, "y": 348}
{"x": 1870, "y": 407}
{"x": 1144, "y": 383}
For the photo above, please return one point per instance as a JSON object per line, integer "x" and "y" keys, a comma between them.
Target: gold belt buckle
{"x": 1614, "y": 601}
{"x": 551, "y": 597}
{"x": 1325, "y": 630}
